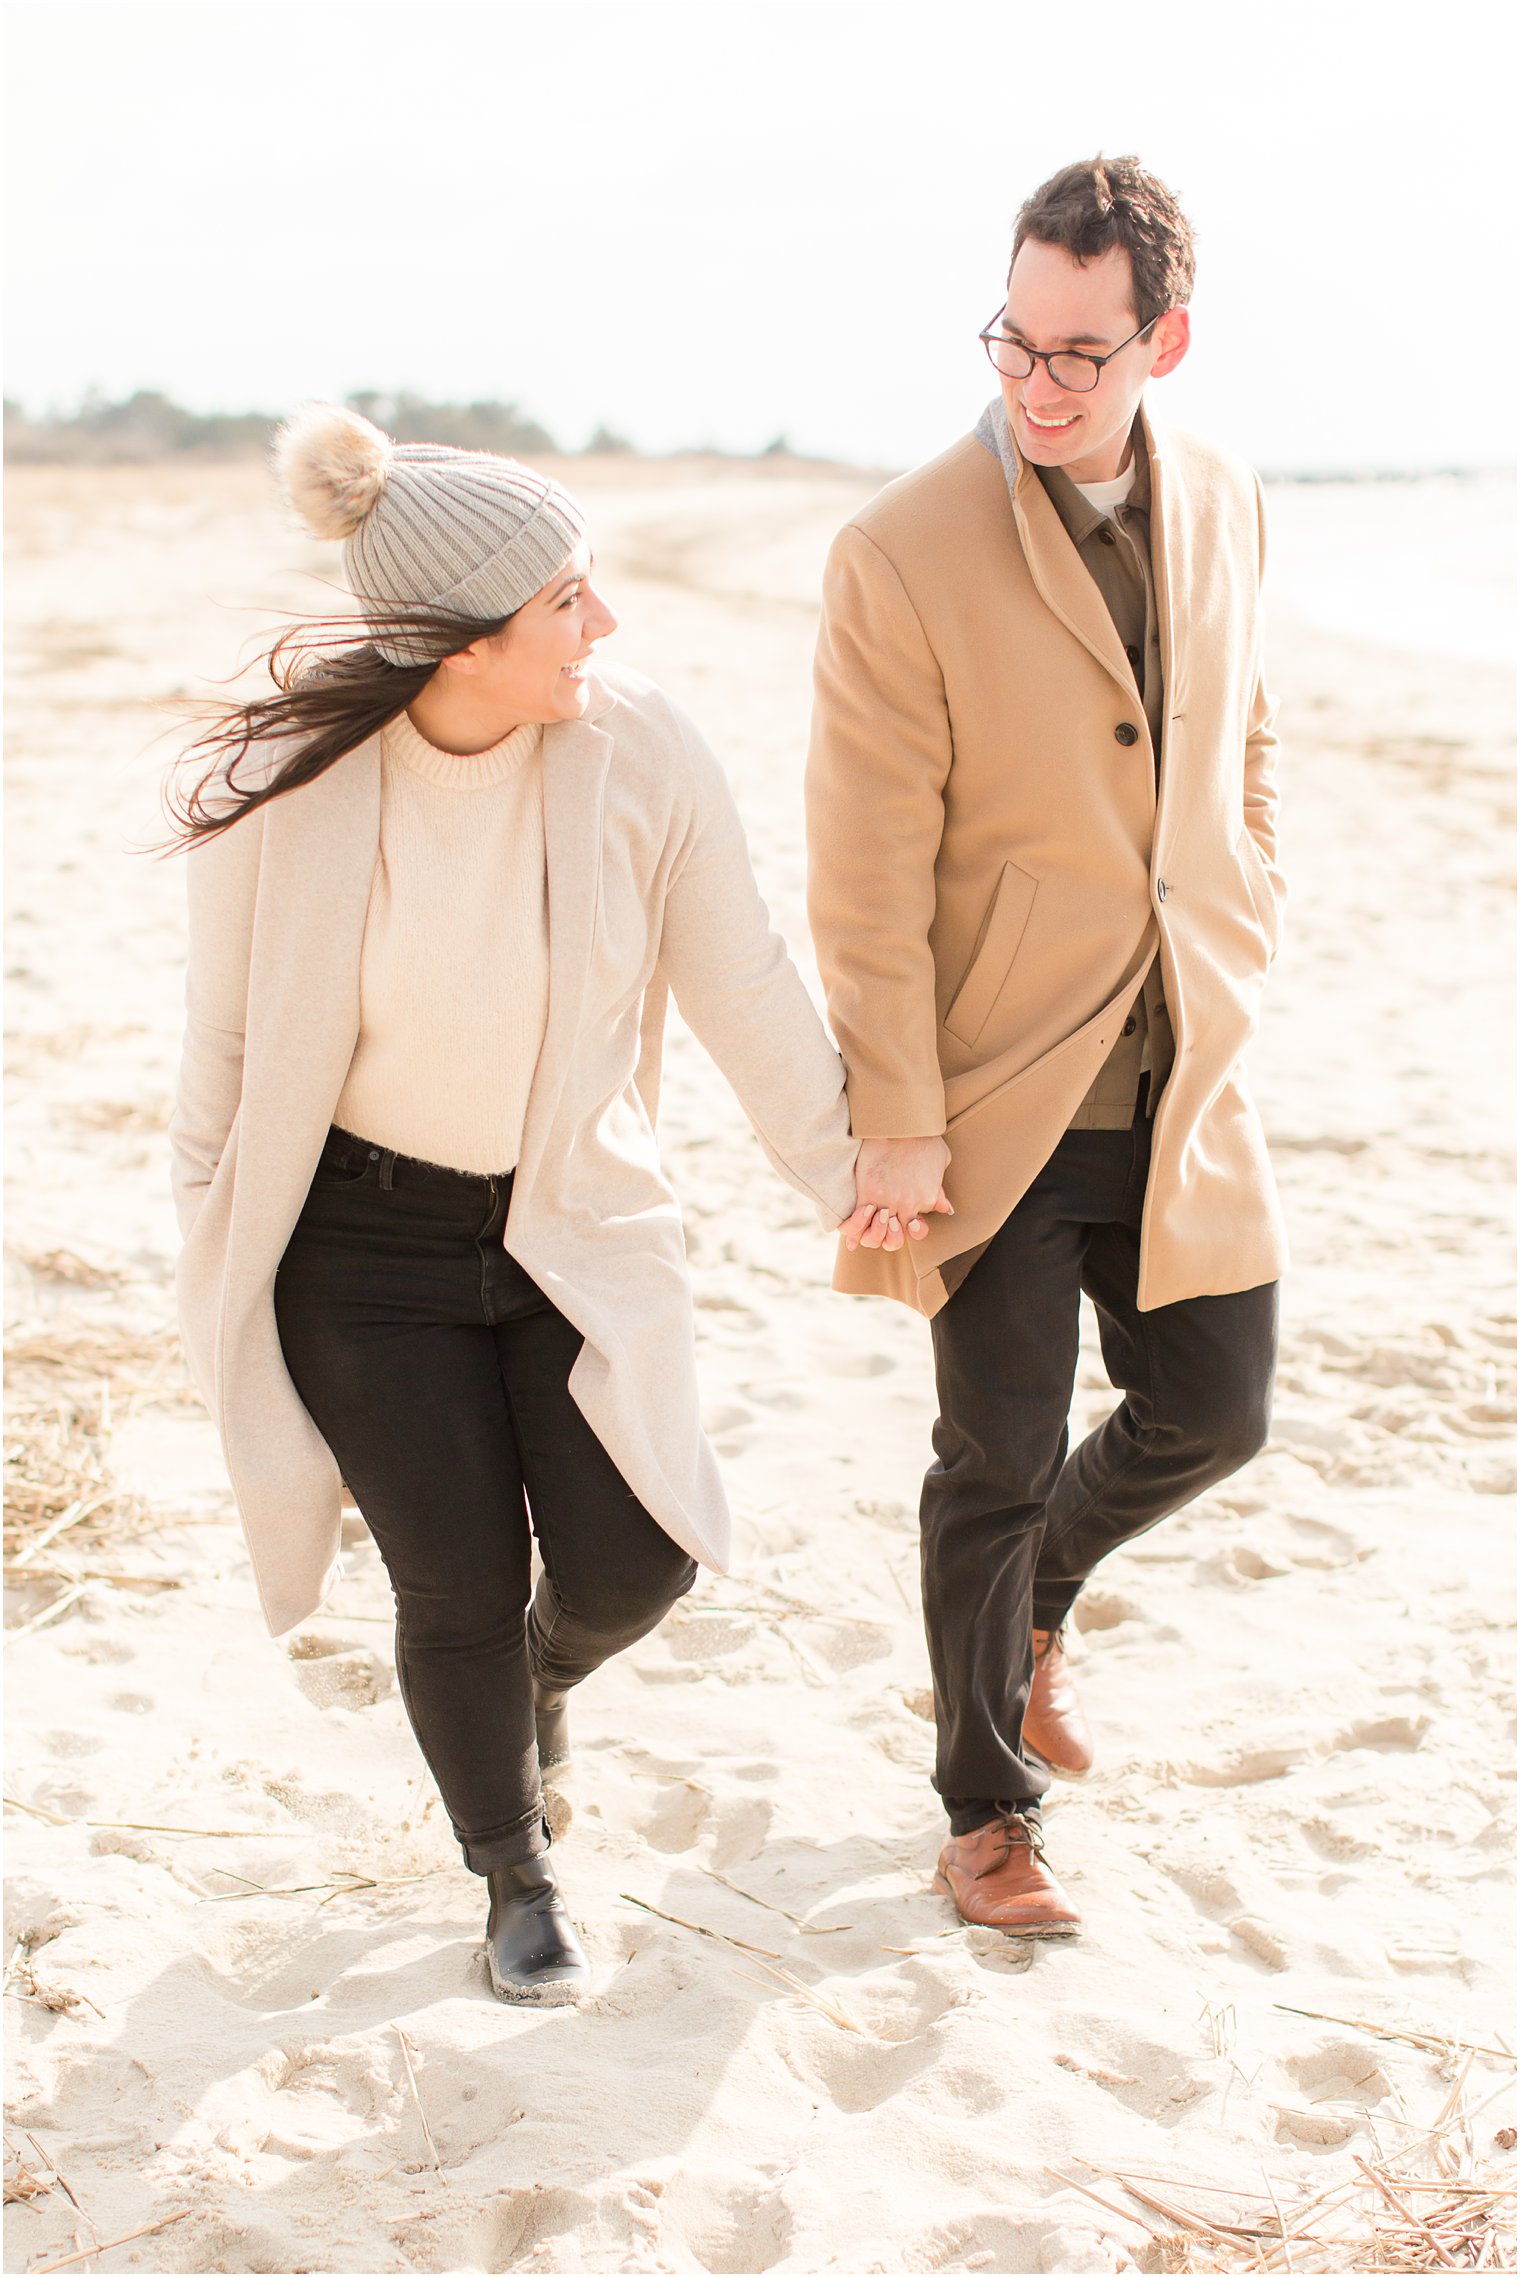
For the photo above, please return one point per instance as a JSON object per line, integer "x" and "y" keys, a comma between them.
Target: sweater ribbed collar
{"x": 450, "y": 771}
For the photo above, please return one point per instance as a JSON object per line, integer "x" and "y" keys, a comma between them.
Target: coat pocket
{"x": 992, "y": 959}
{"x": 1258, "y": 886}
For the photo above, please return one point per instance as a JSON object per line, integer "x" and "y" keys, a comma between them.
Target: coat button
{"x": 1106, "y": 536}
{"x": 1126, "y": 732}
{"x": 1129, "y": 1026}
{"x": 1162, "y": 889}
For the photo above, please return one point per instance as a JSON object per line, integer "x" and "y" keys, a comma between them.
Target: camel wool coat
{"x": 649, "y": 887}
{"x": 992, "y": 871}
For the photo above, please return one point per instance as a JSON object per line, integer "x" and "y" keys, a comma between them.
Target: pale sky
{"x": 714, "y": 223}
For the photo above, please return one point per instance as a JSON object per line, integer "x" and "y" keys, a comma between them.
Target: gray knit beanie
{"x": 425, "y": 526}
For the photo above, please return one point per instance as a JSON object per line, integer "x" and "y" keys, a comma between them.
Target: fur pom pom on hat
{"x": 425, "y": 526}
{"x": 332, "y": 467}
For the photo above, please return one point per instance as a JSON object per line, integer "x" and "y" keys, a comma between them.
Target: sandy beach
{"x": 248, "y": 2017}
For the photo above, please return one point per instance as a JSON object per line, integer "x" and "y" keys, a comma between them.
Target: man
{"x": 1043, "y": 887}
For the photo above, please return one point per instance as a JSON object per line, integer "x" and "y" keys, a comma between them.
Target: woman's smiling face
{"x": 534, "y": 668}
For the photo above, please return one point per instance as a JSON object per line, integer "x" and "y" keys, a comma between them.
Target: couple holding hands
{"x": 441, "y": 883}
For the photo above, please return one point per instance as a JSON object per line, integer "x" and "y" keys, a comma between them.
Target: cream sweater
{"x": 454, "y": 976}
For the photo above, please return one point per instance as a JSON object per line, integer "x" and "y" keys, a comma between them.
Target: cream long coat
{"x": 991, "y": 873}
{"x": 649, "y": 882}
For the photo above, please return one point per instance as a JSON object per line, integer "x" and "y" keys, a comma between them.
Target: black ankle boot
{"x": 551, "y": 1718}
{"x": 532, "y": 1951}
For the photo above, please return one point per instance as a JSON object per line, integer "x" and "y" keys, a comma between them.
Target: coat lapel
{"x": 1062, "y": 580}
{"x": 316, "y": 869}
{"x": 1060, "y": 575}
{"x": 1169, "y": 565}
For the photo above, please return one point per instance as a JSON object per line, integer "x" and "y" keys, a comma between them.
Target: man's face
{"x": 1056, "y": 302}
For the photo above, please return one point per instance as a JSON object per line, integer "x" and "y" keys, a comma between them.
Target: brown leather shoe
{"x": 1055, "y": 1728}
{"x": 998, "y": 1879}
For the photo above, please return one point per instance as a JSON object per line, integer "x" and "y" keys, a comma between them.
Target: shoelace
{"x": 1018, "y": 1833}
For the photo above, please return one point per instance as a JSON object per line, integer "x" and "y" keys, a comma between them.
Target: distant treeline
{"x": 148, "y": 426}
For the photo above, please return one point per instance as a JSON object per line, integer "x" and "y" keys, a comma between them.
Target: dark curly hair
{"x": 1102, "y": 202}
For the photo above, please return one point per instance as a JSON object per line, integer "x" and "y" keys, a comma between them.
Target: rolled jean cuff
{"x": 512, "y": 1845}
{"x": 1053, "y": 1602}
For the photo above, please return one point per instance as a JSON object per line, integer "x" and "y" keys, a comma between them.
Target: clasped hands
{"x": 899, "y": 1183}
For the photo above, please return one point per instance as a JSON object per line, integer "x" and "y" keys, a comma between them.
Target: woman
{"x": 439, "y": 883}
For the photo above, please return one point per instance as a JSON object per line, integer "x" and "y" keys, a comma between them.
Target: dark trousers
{"x": 438, "y": 1374}
{"x": 1013, "y": 1524}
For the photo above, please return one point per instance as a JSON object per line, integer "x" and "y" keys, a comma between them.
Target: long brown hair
{"x": 333, "y": 690}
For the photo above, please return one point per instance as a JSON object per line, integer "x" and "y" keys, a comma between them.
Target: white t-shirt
{"x": 1107, "y": 495}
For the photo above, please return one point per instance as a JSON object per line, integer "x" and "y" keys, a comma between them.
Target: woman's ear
{"x": 465, "y": 660}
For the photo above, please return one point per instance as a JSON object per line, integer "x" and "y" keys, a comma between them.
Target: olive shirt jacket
{"x": 649, "y": 884}
{"x": 993, "y": 867}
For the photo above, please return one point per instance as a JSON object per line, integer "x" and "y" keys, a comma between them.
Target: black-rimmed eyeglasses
{"x": 1069, "y": 368}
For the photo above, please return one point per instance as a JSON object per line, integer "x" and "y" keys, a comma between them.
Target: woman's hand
{"x": 898, "y": 1182}
{"x": 867, "y": 1227}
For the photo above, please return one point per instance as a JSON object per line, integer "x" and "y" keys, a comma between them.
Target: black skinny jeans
{"x": 1013, "y": 1525}
{"x": 438, "y": 1373}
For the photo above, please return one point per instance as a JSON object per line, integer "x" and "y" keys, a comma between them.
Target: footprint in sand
{"x": 520, "y": 2229}
{"x": 66, "y": 1743}
{"x": 1260, "y": 1941}
{"x": 1243, "y": 1563}
{"x": 1141, "y": 2074}
{"x": 338, "y": 1672}
{"x": 781, "y": 1398}
{"x": 1315, "y": 2130}
{"x": 842, "y": 1643}
{"x": 1387, "y": 1734}
{"x": 1248, "y": 1766}
{"x": 98, "y": 1649}
{"x": 331, "y": 1809}
{"x": 121, "y": 1842}
{"x": 322, "y": 2096}
{"x": 92, "y": 2088}
{"x": 990, "y": 2242}
{"x": 698, "y": 1636}
{"x": 731, "y": 2220}
{"x": 1440, "y": 1951}
{"x": 716, "y": 1420}
{"x": 1098, "y": 1609}
{"x": 728, "y": 1427}
{"x": 685, "y": 1814}
{"x": 896, "y": 2043}
{"x": 1334, "y": 1841}
{"x": 857, "y": 1364}
{"x": 739, "y": 1831}
{"x": 675, "y": 1820}
{"x": 1322, "y": 1548}
{"x": 641, "y": 1980}
{"x": 730, "y": 1311}
{"x": 1231, "y": 1887}
{"x": 900, "y": 1738}
{"x": 1339, "y": 2071}
{"x": 274, "y": 1965}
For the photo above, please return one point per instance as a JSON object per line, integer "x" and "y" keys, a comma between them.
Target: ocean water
{"x": 1425, "y": 565}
